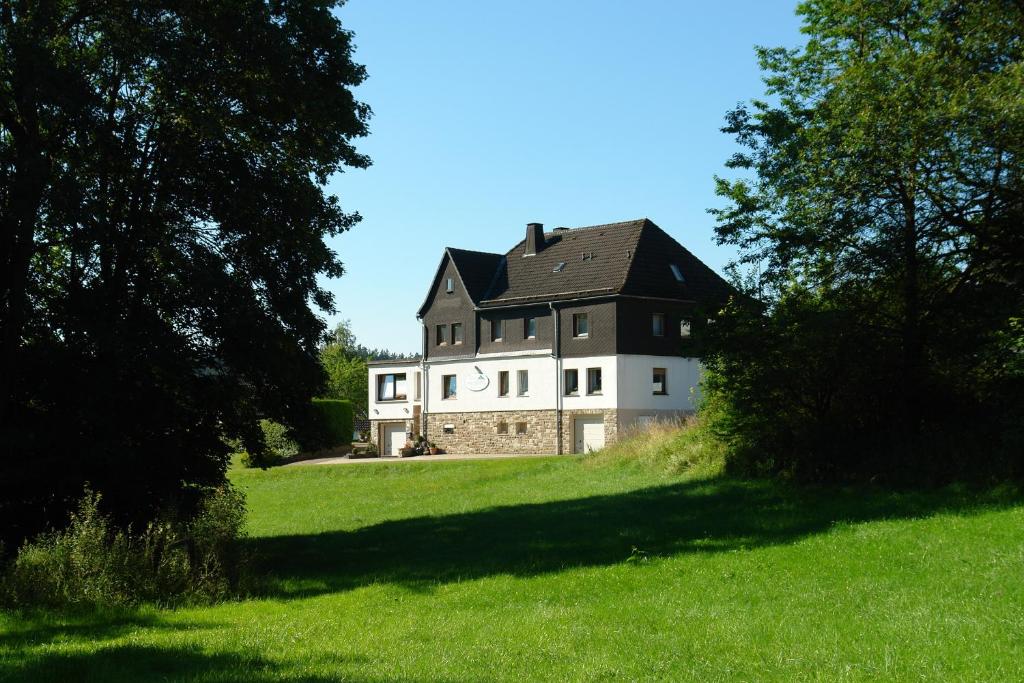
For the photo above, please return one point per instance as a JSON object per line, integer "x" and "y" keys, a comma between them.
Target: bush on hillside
{"x": 172, "y": 561}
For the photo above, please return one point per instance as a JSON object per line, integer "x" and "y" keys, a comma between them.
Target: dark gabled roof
{"x": 630, "y": 258}
{"x": 476, "y": 268}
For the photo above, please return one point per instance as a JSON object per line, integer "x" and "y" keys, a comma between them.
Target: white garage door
{"x": 394, "y": 438}
{"x": 589, "y": 433}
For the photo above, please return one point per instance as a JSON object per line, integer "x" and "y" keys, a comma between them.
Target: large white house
{"x": 554, "y": 347}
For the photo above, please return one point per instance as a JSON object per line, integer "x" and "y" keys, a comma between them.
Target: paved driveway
{"x": 411, "y": 458}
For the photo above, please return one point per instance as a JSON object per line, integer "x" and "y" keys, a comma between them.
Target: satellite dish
{"x": 477, "y": 382}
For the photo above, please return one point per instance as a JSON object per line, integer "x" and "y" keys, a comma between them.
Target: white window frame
{"x": 664, "y": 382}
{"x": 576, "y": 319}
{"x": 565, "y": 382}
{"x": 395, "y": 383}
{"x": 447, "y": 395}
{"x": 523, "y": 387}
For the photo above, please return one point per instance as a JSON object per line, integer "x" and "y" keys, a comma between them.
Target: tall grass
{"x": 673, "y": 445}
{"x": 94, "y": 563}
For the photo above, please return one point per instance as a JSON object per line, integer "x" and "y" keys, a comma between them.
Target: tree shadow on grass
{"x": 702, "y": 516}
{"x": 42, "y": 628}
{"x": 128, "y": 662}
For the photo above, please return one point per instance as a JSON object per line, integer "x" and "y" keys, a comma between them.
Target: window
{"x": 572, "y": 382}
{"x": 523, "y": 379}
{"x": 417, "y": 390}
{"x": 684, "y": 328}
{"x": 593, "y": 380}
{"x": 520, "y": 428}
{"x": 442, "y": 335}
{"x": 676, "y": 273}
{"x": 503, "y": 427}
{"x": 559, "y": 268}
{"x": 658, "y": 324}
{"x": 530, "y": 328}
{"x": 391, "y": 387}
{"x": 503, "y": 383}
{"x": 660, "y": 382}
{"x": 456, "y": 333}
{"x": 580, "y": 325}
{"x": 448, "y": 429}
{"x": 497, "y": 330}
{"x": 450, "y": 285}
{"x": 448, "y": 386}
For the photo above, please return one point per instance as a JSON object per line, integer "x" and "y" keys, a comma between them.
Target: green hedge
{"x": 336, "y": 420}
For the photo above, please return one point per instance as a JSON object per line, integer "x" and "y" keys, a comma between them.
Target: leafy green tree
{"x": 162, "y": 172}
{"x": 883, "y": 180}
{"x": 344, "y": 361}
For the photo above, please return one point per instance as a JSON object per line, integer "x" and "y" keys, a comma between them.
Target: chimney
{"x": 534, "y": 238}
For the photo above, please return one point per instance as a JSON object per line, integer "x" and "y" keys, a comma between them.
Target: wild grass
{"x": 615, "y": 566}
{"x": 675, "y": 446}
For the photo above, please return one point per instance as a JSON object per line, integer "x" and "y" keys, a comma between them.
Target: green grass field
{"x": 576, "y": 569}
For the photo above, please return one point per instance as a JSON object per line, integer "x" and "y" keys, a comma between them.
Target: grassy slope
{"x": 569, "y": 569}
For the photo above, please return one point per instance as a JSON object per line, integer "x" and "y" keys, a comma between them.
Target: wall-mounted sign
{"x": 478, "y": 381}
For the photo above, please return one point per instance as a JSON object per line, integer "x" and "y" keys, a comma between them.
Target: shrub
{"x": 278, "y": 446}
{"x": 174, "y": 560}
{"x": 335, "y": 420}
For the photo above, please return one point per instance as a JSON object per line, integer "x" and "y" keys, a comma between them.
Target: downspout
{"x": 425, "y": 389}
{"x": 556, "y": 352}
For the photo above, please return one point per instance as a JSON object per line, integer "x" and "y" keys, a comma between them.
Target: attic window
{"x": 450, "y": 285}
{"x": 559, "y": 268}
{"x": 676, "y": 272}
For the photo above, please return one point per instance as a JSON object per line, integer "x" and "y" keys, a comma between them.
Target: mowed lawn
{"x": 564, "y": 569}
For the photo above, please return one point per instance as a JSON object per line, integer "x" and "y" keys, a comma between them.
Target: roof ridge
{"x": 473, "y": 251}
{"x": 602, "y": 225}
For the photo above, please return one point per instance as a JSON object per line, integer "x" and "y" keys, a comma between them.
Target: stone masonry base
{"x": 498, "y": 432}
{"x": 480, "y": 433}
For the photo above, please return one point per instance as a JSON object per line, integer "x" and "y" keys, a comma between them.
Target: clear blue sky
{"x": 489, "y": 115}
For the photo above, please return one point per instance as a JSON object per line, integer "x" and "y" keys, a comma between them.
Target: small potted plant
{"x": 433, "y": 448}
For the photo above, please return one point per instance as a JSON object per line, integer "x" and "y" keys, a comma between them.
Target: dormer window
{"x": 676, "y": 273}
{"x": 450, "y": 285}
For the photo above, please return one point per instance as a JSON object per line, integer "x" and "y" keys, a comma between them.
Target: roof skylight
{"x": 676, "y": 272}
{"x": 559, "y": 268}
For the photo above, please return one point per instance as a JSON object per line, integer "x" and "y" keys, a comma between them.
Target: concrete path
{"x": 411, "y": 458}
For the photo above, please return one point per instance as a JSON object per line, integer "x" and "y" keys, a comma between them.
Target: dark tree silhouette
{"x": 162, "y": 172}
{"x": 881, "y": 193}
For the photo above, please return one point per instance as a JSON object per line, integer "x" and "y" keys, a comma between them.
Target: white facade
{"x": 626, "y": 384}
{"x": 394, "y": 409}
{"x": 635, "y": 391}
